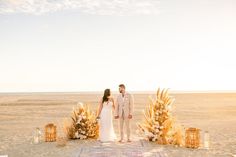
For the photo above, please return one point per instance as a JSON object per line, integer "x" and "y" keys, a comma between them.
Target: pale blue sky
{"x": 182, "y": 45}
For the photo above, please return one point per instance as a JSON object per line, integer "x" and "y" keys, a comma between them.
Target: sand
{"x": 20, "y": 114}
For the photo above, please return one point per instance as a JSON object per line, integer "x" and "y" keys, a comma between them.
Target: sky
{"x": 90, "y": 45}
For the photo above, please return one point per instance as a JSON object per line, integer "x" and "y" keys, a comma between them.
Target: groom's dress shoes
{"x": 121, "y": 141}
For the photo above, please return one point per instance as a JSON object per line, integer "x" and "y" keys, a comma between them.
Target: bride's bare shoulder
{"x": 111, "y": 98}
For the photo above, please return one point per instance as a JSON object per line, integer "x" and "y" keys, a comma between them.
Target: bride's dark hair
{"x": 107, "y": 93}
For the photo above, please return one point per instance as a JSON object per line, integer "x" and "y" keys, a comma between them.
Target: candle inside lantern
{"x": 206, "y": 140}
{"x": 36, "y": 140}
{"x": 37, "y": 136}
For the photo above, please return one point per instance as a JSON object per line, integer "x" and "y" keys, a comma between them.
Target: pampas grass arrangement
{"x": 158, "y": 125}
{"x": 82, "y": 125}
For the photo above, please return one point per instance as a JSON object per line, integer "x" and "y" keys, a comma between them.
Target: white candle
{"x": 206, "y": 140}
{"x": 36, "y": 140}
{"x": 37, "y": 136}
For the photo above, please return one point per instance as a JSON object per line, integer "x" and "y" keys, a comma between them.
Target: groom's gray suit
{"x": 124, "y": 108}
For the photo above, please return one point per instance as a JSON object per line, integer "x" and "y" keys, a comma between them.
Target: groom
{"x": 124, "y": 111}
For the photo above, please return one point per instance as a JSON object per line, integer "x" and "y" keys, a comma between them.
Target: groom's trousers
{"x": 124, "y": 120}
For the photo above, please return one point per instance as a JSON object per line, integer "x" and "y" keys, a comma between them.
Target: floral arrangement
{"x": 159, "y": 124}
{"x": 83, "y": 123}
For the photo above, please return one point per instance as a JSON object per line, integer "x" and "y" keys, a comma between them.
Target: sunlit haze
{"x": 182, "y": 45}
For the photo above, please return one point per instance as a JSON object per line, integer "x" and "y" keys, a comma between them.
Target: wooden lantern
{"x": 192, "y": 138}
{"x": 50, "y": 132}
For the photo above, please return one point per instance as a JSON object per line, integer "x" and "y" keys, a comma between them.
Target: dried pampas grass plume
{"x": 158, "y": 124}
{"x": 82, "y": 123}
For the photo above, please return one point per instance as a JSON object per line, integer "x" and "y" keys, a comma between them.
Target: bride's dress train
{"x": 106, "y": 130}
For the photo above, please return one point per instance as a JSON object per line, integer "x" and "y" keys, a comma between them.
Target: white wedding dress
{"x": 106, "y": 130}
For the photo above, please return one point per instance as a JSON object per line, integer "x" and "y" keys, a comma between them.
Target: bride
{"x": 105, "y": 108}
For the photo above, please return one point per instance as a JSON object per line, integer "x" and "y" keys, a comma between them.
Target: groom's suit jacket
{"x": 125, "y": 104}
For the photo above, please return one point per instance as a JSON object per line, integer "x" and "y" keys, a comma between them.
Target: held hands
{"x": 130, "y": 116}
{"x": 116, "y": 117}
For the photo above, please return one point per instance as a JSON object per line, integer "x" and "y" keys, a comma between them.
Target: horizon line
{"x": 131, "y": 91}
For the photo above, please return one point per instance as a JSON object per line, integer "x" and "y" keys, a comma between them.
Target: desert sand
{"x": 21, "y": 113}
